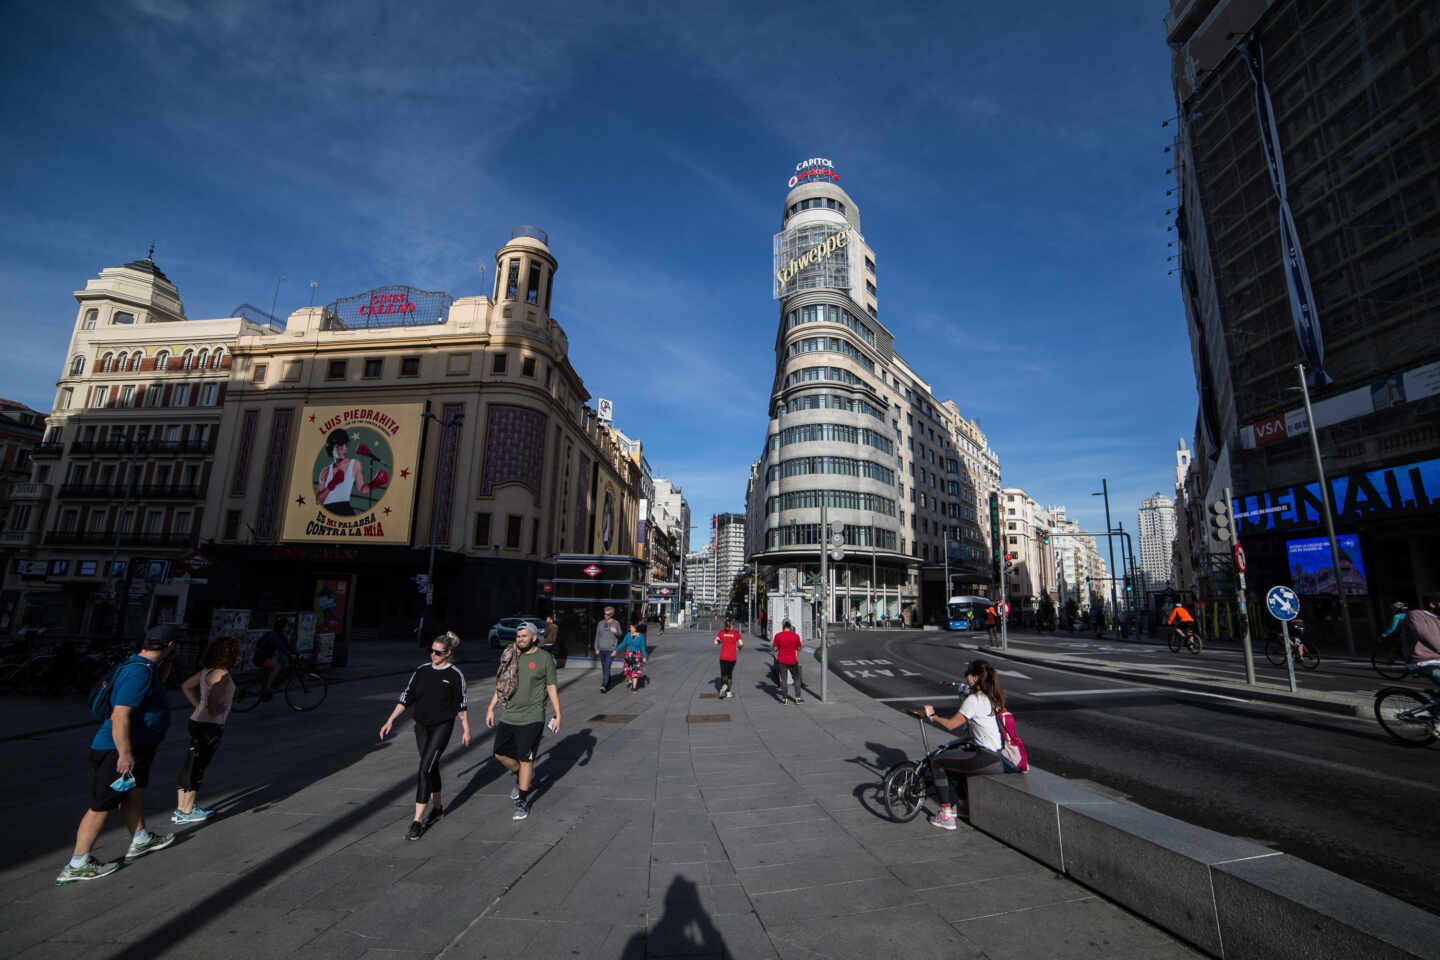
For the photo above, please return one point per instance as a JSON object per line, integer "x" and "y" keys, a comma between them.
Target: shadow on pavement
{"x": 576, "y": 749}
{"x": 684, "y": 929}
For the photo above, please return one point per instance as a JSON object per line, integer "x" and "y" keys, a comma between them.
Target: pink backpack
{"x": 1014, "y": 748}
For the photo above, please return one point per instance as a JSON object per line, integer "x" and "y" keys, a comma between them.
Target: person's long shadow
{"x": 684, "y": 929}
{"x": 868, "y": 792}
{"x": 576, "y": 749}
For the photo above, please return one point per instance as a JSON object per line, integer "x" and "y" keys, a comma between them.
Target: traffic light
{"x": 1221, "y": 525}
{"x": 1047, "y": 538}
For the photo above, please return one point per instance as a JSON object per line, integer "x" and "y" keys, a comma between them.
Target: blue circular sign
{"x": 1283, "y": 602}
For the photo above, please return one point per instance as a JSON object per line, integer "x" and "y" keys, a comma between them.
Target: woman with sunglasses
{"x": 436, "y": 693}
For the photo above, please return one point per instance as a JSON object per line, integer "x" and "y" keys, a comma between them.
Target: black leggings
{"x": 966, "y": 761}
{"x": 727, "y": 668}
{"x": 432, "y": 739}
{"x": 204, "y": 741}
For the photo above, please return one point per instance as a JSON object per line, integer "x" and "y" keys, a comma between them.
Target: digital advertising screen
{"x": 1312, "y": 570}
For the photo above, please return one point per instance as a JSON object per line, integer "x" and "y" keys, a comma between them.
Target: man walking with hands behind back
{"x": 122, "y": 752}
{"x": 524, "y": 715}
{"x": 787, "y": 660}
{"x": 607, "y": 635}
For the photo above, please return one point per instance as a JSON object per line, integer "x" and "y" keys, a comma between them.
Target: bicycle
{"x": 1388, "y": 661}
{"x": 1186, "y": 638}
{"x": 1408, "y": 716}
{"x": 906, "y": 784}
{"x": 1304, "y": 653}
{"x": 304, "y": 689}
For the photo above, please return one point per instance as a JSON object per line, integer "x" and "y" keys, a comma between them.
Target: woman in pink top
{"x": 211, "y": 690}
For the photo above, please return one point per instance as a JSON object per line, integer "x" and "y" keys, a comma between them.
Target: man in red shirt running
{"x": 729, "y": 642}
{"x": 787, "y": 655}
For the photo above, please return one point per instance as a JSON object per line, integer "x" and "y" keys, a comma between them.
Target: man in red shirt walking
{"x": 729, "y": 642}
{"x": 787, "y": 656}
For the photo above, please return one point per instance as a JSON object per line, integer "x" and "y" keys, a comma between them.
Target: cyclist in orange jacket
{"x": 1182, "y": 621}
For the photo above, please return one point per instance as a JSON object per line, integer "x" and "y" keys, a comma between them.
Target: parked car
{"x": 504, "y": 631}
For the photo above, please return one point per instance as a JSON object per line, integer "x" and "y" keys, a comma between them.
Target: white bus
{"x": 967, "y": 613}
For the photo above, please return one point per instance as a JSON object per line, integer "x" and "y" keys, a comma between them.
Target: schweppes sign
{"x": 353, "y": 478}
{"x": 816, "y": 255}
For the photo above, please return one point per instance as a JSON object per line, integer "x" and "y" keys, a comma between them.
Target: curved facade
{"x": 852, "y": 427}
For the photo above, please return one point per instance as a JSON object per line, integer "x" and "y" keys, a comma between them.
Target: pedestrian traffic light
{"x": 1221, "y": 528}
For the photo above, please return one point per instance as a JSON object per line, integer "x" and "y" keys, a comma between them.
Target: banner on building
{"x": 1297, "y": 274}
{"x": 353, "y": 476}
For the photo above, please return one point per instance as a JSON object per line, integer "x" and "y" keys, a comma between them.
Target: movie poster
{"x": 353, "y": 478}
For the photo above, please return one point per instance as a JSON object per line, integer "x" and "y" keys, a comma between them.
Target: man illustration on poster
{"x": 343, "y": 476}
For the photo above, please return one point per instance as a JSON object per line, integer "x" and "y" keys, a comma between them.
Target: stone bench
{"x": 1229, "y": 897}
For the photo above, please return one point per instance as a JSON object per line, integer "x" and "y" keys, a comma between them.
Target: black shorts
{"x": 103, "y": 773}
{"x": 517, "y": 741}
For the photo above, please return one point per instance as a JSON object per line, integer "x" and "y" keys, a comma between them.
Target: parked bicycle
{"x": 1408, "y": 715}
{"x": 905, "y": 785}
{"x": 304, "y": 689}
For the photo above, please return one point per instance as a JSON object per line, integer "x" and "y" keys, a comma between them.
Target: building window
{"x": 482, "y": 530}
{"x": 870, "y": 288}
{"x": 209, "y": 394}
{"x": 123, "y": 318}
{"x": 135, "y": 359}
{"x": 535, "y": 536}
{"x": 292, "y": 370}
{"x": 187, "y": 360}
{"x": 527, "y": 367}
{"x": 870, "y": 265}
{"x": 532, "y": 284}
{"x": 162, "y": 360}
{"x": 181, "y": 395}
{"x": 336, "y": 370}
{"x": 90, "y": 317}
{"x": 258, "y": 374}
{"x": 232, "y": 525}
{"x": 153, "y": 394}
{"x": 153, "y": 520}
{"x": 202, "y": 358}
{"x": 497, "y": 365}
{"x": 67, "y": 396}
{"x": 97, "y": 399}
{"x": 409, "y": 366}
{"x": 512, "y": 532}
{"x": 216, "y": 357}
{"x": 512, "y": 280}
{"x": 106, "y": 362}
{"x": 373, "y": 367}
{"x": 127, "y": 395}
{"x": 1014, "y": 541}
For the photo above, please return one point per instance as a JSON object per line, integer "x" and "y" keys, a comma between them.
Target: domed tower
{"x": 525, "y": 274}
{"x": 832, "y": 436}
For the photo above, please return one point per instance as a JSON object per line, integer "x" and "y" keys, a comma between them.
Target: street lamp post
{"x": 454, "y": 420}
{"x": 1109, "y": 540}
{"x": 1329, "y": 513}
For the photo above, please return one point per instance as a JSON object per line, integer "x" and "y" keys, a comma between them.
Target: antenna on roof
{"x": 151, "y": 255}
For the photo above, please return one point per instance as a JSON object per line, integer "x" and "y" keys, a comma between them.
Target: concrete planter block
{"x": 1156, "y": 865}
{"x": 1282, "y": 907}
{"x": 1022, "y": 810}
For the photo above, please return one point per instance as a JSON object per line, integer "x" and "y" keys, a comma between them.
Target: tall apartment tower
{"x": 1157, "y": 535}
{"x": 729, "y": 553}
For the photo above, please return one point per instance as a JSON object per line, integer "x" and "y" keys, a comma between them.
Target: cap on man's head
{"x": 160, "y": 636}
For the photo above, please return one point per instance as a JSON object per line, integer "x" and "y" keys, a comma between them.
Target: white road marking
{"x": 1097, "y": 691}
{"x": 933, "y": 697}
{"x": 1013, "y": 673}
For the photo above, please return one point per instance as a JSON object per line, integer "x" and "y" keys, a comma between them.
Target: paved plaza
{"x": 665, "y": 823}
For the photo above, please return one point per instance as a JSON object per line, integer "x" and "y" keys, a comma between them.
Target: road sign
{"x": 194, "y": 562}
{"x": 1239, "y": 553}
{"x": 837, "y": 539}
{"x": 837, "y": 554}
{"x": 1002, "y": 608}
{"x": 1283, "y": 603}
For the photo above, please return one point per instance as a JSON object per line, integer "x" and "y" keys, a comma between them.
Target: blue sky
{"x": 1007, "y": 161}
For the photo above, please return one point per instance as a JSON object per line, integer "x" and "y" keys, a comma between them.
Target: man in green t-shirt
{"x": 524, "y": 715}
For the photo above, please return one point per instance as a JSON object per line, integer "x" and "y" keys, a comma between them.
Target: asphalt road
{"x": 1333, "y": 790}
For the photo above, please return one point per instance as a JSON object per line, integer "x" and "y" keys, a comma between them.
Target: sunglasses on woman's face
{"x": 438, "y": 653}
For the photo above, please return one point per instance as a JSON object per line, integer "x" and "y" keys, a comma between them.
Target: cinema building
{"x": 901, "y": 474}
{"x": 397, "y": 424}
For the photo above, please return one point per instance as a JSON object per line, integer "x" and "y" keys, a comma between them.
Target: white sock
{"x": 80, "y": 860}
{"x": 141, "y": 836}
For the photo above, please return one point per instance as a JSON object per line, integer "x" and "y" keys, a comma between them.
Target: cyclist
{"x": 1183, "y": 623}
{"x": 1398, "y": 610}
{"x": 271, "y": 652}
{"x": 1420, "y": 640}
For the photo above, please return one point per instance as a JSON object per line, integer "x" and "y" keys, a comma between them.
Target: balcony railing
{"x": 140, "y": 446}
{"x": 141, "y": 491}
{"x": 19, "y": 538}
{"x": 106, "y": 537}
{"x": 48, "y": 449}
{"x": 28, "y": 490}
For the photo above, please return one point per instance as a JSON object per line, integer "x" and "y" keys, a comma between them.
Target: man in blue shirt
{"x": 125, "y": 745}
